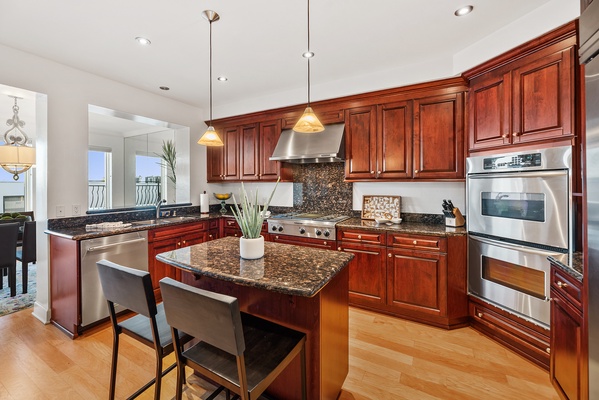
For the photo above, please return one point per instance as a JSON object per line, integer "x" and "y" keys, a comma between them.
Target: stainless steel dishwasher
{"x": 128, "y": 249}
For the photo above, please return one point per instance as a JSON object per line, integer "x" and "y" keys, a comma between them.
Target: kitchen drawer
{"x": 231, "y": 223}
{"x": 567, "y": 286}
{"x": 213, "y": 224}
{"x": 177, "y": 230}
{"x": 417, "y": 242}
{"x": 359, "y": 236}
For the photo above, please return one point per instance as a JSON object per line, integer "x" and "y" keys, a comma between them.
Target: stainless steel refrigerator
{"x": 589, "y": 55}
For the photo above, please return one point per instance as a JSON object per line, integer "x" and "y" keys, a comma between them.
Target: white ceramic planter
{"x": 251, "y": 249}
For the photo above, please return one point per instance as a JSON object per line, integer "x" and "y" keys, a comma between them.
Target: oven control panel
{"x": 529, "y": 160}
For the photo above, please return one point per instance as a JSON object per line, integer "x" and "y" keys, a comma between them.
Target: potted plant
{"x": 250, "y": 218}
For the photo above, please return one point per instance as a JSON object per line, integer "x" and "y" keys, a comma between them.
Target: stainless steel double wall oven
{"x": 519, "y": 212}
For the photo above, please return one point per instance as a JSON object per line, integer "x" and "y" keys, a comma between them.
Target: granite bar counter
{"x": 299, "y": 287}
{"x": 416, "y": 228}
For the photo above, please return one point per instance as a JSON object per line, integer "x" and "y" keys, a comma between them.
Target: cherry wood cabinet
{"x": 231, "y": 228}
{"x": 249, "y": 152}
{"x": 165, "y": 239}
{"x": 270, "y": 131}
{"x": 303, "y": 241}
{"x": 567, "y": 364}
{"x": 421, "y": 138}
{"x": 526, "y": 96}
{"x": 418, "y": 277}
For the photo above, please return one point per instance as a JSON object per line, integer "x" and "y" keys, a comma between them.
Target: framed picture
{"x": 386, "y": 207}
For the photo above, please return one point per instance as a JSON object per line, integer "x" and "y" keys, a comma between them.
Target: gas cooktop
{"x": 320, "y": 225}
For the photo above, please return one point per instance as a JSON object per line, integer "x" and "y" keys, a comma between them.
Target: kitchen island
{"x": 299, "y": 287}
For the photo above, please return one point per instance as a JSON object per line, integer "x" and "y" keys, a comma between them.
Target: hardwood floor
{"x": 389, "y": 359}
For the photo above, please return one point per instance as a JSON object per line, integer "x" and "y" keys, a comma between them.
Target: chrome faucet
{"x": 157, "y": 205}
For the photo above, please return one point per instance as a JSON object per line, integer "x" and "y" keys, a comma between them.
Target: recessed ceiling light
{"x": 222, "y": 78}
{"x": 308, "y": 54}
{"x": 143, "y": 41}
{"x": 460, "y": 12}
{"x": 164, "y": 88}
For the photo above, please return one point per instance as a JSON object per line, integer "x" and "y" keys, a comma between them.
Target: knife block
{"x": 458, "y": 220}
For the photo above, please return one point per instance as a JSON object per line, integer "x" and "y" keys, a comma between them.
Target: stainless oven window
{"x": 514, "y": 205}
{"x": 514, "y": 276}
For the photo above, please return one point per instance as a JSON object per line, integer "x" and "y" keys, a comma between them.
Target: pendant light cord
{"x": 309, "y": 52}
{"x": 211, "y": 72}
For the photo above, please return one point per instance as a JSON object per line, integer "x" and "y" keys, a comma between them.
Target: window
{"x": 150, "y": 175}
{"x": 99, "y": 177}
{"x": 13, "y": 194}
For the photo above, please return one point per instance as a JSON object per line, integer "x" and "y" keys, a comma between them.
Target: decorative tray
{"x": 384, "y": 207}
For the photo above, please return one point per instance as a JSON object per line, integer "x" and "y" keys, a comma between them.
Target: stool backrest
{"x": 128, "y": 287}
{"x": 211, "y": 317}
{"x": 9, "y": 234}
{"x": 29, "y": 242}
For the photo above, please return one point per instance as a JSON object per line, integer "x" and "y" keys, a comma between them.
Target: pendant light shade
{"x": 210, "y": 137}
{"x": 16, "y": 156}
{"x": 308, "y": 122}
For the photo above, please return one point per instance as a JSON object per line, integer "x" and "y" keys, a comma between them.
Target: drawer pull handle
{"x": 210, "y": 236}
{"x": 414, "y": 242}
{"x": 179, "y": 244}
{"x": 514, "y": 135}
{"x": 548, "y": 350}
{"x": 325, "y": 243}
{"x": 562, "y": 284}
{"x": 339, "y": 248}
{"x": 505, "y": 135}
{"x": 389, "y": 255}
{"x": 184, "y": 242}
{"x": 479, "y": 314}
{"x": 372, "y": 172}
{"x": 415, "y": 171}
{"x": 360, "y": 237}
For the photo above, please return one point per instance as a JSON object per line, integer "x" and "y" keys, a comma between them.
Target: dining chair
{"x": 132, "y": 289}
{"x": 241, "y": 352}
{"x": 27, "y": 252}
{"x": 9, "y": 233}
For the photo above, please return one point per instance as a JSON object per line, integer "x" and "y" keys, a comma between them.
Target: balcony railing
{"x": 146, "y": 193}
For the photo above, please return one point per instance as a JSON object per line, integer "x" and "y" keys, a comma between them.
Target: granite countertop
{"x": 573, "y": 268}
{"x": 404, "y": 227}
{"x": 80, "y": 233}
{"x": 287, "y": 269}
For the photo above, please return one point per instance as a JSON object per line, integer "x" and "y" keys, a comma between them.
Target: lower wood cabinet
{"x": 165, "y": 239}
{"x": 568, "y": 365}
{"x": 230, "y": 227}
{"x": 411, "y": 276}
{"x": 303, "y": 241}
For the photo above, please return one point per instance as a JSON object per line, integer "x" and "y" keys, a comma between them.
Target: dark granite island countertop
{"x": 302, "y": 288}
{"x": 287, "y": 269}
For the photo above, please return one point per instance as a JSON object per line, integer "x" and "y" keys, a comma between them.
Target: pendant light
{"x": 210, "y": 138}
{"x": 308, "y": 122}
{"x": 16, "y": 156}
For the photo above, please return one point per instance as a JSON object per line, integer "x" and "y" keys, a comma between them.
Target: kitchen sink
{"x": 168, "y": 220}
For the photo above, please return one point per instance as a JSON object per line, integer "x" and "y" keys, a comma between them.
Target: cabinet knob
{"x": 276, "y": 237}
{"x": 389, "y": 255}
{"x": 184, "y": 242}
{"x": 414, "y": 242}
{"x": 415, "y": 171}
{"x": 562, "y": 284}
{"x": 179, "y": 244}
{"x": 379, "y": 172}
{"x": 372, "y": 172}
{"x": 505, "y": 135}
{"x": 479, "y": 314}
{"x": 235, "y": 235}
{"x": 325, "y": 243}
{"x": 210, "y": 236}
{"x": 515, "y": 134}
{"x": 360, "y": 237}
{"x": 548, "y": 350}
{"x": 339, "y": 248}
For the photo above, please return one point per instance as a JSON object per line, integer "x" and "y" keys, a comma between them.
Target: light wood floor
{"x": 389, "y": 359}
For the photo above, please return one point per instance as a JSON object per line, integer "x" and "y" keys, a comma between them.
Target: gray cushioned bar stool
{"x": 9, "y": 232}
{"x": 27, "y": 252}
{"x": 239, "y": 351}
{"x": 132, "y": 289}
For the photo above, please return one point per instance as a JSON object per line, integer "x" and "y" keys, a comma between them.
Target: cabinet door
{"x": 269, "y": 136}
{"x": 157, "y": 269}
{"x": 231, "y": 153}
{"x": 566, "y": 348}
{"x": 439, "y": 137}
{"x": 249, "y": 152}
{"x": 417, "y": 282}
{"x": 214, "y": 156}
{"x": 360, "y": 143}
{"x": 543, "y": 98}
{"x": 490, "y": 111}
{"x": 394, "y": 140}
{"x": 367, "y": 274}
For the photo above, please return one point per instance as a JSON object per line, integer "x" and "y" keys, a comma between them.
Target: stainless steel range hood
{"x": 304, "y": 148}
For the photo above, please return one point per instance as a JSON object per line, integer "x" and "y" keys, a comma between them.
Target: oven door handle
{"x": 529, "y": 174}
{"x": 511, "y": 246}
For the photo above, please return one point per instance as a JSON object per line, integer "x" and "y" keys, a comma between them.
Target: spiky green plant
{"x": 169, "y": 159}
{"x": 251, "y": 216}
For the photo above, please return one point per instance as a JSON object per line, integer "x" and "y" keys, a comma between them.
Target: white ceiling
{"x": 257, "y": 44}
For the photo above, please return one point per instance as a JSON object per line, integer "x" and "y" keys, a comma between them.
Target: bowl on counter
{"x": 396, "y": 220}
{"x": 382, "y": 220}
{"x": 223, "y": 196}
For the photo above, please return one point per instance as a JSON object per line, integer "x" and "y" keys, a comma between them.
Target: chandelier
{"x": 16, "y": 156}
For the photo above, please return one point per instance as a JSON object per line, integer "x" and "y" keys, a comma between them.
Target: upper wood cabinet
{"x": 245, "y": 154}
{"x": 525, "y": 96}
{"x": 411, "y": 139}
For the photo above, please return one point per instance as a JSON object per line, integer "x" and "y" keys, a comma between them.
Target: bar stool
{"x": 221, "y": 354}
{"x": 27, "y": 252}
{"x": 132, "y": 289}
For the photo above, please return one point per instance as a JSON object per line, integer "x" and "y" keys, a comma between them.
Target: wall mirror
{"x": 130, "y": 159}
